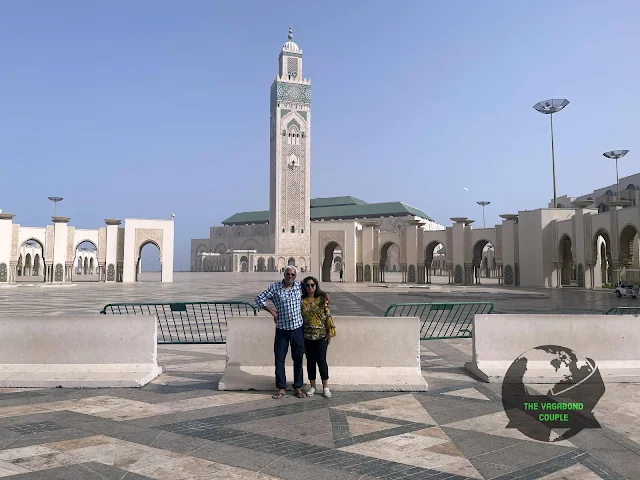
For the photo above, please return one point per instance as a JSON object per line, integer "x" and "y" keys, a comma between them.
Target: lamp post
{"x": 55, "y": 201}
{"x": 549, "y": 107}
{"x": 483, "y": 204}
{"x": 616, "y": 154}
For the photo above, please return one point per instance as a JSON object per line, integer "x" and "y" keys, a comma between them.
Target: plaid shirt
{"x": 287, "y": 303}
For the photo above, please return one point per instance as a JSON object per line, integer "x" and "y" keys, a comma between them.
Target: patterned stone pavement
{"x": 181, "y": 427}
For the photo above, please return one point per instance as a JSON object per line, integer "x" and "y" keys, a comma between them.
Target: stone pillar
{"x": 458, "y": 253}
{"x": 60, "y": 239}
{"x": 111, "y": 262}
{"x": 6, "y": 241}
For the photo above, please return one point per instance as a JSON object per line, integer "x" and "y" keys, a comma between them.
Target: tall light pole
{"x": 55, "y": 201}
{"x": 616, "y": 154}
{"x": 549, "y": 107}
{"x": 483, "y": 204}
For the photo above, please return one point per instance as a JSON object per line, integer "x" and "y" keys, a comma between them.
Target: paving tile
{"x": 84, "y": 471}
{"x": 523, "y": 454}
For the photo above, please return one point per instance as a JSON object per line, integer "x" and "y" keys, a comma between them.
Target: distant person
{"x": 319, "y": 329}
{"x": 341, "y": 273}
{"x": 287, "y": 297}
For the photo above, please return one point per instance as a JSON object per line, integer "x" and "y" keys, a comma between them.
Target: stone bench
{"x": 612, "y": 341}
{"x": 78, "y": 351}
{"x": 368, "y": 354}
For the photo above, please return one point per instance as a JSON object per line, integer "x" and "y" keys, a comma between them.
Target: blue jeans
{"x": 281, "y": 347}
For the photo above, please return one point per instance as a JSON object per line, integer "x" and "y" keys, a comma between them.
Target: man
{"x": 286, "y": 296}
{"x": 341, "y": 272}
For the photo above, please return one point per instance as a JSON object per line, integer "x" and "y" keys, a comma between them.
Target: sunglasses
{"x": 289, "y": 274}
{"x": 310, "y": 285}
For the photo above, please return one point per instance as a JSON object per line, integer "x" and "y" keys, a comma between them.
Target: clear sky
{"x": 140, "y": 109}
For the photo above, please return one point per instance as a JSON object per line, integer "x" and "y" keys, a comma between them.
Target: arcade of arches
{"x": 62, "y": 253}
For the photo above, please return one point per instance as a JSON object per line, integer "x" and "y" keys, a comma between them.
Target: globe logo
{"x": 573, "y": 386}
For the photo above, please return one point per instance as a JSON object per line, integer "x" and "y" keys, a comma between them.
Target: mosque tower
{"x": 289, "y": 185}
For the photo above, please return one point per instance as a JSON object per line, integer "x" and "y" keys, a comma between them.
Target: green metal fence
{"x": 441, "y": 320}
{"x": 187, "y": 322}
{"x": 623, "y": 311}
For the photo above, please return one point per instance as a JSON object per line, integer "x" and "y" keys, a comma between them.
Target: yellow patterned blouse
{"x": 317, "y": 319}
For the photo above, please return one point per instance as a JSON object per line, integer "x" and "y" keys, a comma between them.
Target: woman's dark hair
{"x": 317, "y": 293}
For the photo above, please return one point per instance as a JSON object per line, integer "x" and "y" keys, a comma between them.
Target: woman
{"x": 318, "y": 331}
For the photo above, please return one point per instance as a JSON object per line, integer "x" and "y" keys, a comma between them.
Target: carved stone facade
{"x": 327, "y": 236}
{"x": 71, "y": 247}
{"x": 146, "y": 235}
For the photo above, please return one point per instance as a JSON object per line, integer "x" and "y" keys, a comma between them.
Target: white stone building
{"x": 578, "y": 244}
{"x": 56, "y": 253}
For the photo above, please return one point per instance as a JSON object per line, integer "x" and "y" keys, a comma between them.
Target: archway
{"x": 271, "y": 264}
{"x": 261, "y": 266}
{"x": 628, "y": 257}
{"x": 86, "y": 255}
{"x": 566, "y": 260}
{"x": 431, "y": 267}
{"x": 291, "y": 262}
{"x": 389, "y": 256}
{"x": 327, "y": 256}
{"x": 602, "y": 257}
{"x": 337, "y": 262}
{"x": 200, "y": 260}
{"x": 244, "y": 264}
{"x": 149, "y": 265}
{"x": 482, "y": 252}
{"x": 30, "y": 261}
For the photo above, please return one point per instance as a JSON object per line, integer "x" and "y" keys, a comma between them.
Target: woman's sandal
{"x": 278, "y": 395}
{"x": 300, "y": 394}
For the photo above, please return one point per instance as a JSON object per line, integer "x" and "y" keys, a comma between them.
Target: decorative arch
{"x": 384, "y": 258}
{"x": 244, "y": 263}
{"x": 426, "y": 270}
{"x": 327, "y": 258}
{"x": 302, "y": 264}
{"x": 565, "y": 257}
{"x": 220, "y": 248}
{"x": 478, "y": 250}
{"x": 291, "y": 262}
{"x": 626, "y": 249}
{"x": 271, "y": 264}
{"x": 250, "y": 244}
{"x": 281, "y": 264}
{"x": 261, "y": 265}
{"x": 88, "y": 241}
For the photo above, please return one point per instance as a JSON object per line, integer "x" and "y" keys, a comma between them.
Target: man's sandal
{"x": 278, "y": 395}
{"x": 300, "y": 394}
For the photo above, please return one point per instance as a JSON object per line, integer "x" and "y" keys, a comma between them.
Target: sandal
{"x": 300, "y": 394}
{"x": 278, "y": 396}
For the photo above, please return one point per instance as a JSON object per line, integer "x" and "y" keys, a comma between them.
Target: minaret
{"x": 290, "y": 189}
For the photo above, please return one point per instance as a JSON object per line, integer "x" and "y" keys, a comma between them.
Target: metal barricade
{"x": 187, "y": 322}
{"x": 623, "y": 311}
{"x": 441, "y": 320}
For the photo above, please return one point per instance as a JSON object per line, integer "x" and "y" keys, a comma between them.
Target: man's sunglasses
{"x": 289, "y": 274}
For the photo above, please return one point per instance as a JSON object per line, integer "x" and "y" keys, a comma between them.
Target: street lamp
{"x": 55, "y": 201}
{"x": 616, "y": 154}
{"x": 483, "y": 204}
{"x": 549, "y": 107}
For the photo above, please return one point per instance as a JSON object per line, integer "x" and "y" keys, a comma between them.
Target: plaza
{"x": 181, "y": 427}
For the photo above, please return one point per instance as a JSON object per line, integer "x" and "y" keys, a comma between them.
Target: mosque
{"x": 579, "y": 242}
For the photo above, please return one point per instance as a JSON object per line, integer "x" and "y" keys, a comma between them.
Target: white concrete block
{"x": 78, "y": 351}
{"x": 612, "y": 341}
{"x": 368, "y": 354}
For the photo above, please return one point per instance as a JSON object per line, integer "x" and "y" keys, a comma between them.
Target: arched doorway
{"x": 30, "y": 261}
{"x": 244, "y": 264}
{"x": 603, "y": 262}
{"x": 628, "y": 257}
{"x": 261, "y": 265}
{"x": 149, "y": 264}
{"x": 431, "y": 267}
{"x": 271, "y": 264}
{"x": 86, "y": 256}
{"x": 389, "y": 256}
{"x": 291, "y": 262}
{"x": 566, "y": 260}
{"x": 328, "y": 259}
{"x": 201, "y": 260}
{"x": 482, "y": 253}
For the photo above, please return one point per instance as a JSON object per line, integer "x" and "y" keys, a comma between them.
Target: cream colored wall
{"x": 138, "y": 231}
{"x": 332, "y": 231}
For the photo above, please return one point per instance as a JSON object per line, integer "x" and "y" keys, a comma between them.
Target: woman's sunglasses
{"x": 310, "y": 285}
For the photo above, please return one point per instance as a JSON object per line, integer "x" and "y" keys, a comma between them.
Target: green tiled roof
{"x": 336, "y": 201}
{"x": 336, "y": 208}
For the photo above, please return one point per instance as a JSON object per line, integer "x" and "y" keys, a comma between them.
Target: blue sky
{"x": 140, "y": 109}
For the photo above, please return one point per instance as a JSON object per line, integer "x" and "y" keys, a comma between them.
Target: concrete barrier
{"x": 613, "y": 342}
{"x": 368, "y": 354}
{"x": 78, "y": 351}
